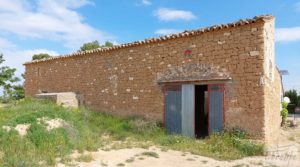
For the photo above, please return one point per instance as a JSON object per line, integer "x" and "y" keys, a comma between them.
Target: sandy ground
{"x": 285, "y": 153}
{"x": 49, "y": 123}
{"x": 20, "y": 128}
{"x": 168, "y": 158}
{"x": 134, "y": 158}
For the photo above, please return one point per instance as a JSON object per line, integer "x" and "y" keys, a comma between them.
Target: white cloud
{"x": 16, "y": 58}
{"x": 146, "y": 2}
{"x": 287, "y": 34}
{"x": 5, "y": 44}
{"x": 74, "y": 3}
{"x": 49, "y": 19}
{"x": 297, "y": 6}
{"x": 166, "y": 14}
{"x": 166, "y": 31}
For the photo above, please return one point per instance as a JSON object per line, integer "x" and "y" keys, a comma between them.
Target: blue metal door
{"x": 216, "y": 103}
{"x": 188, "y": 110}
{"x": 173, "y": 111}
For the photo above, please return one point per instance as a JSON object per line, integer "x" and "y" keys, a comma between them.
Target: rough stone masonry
{"x": 124, "y": 79}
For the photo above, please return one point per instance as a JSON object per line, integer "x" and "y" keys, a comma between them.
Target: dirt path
{"x": 135, "y": 157}
{"x": 284, "y": 153}
{"x": 286, "y": 150}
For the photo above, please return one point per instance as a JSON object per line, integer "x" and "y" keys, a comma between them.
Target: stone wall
{"x": 272, "y": 85}
{"x": 125, "y": 80}
{"x": 273, "y": 92}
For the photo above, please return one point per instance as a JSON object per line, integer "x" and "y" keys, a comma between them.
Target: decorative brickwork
{"x": 126, "y": 79}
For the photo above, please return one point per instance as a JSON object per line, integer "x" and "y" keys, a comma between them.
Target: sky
{"x": 59, "y": 27}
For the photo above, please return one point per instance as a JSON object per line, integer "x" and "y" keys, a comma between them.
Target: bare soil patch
{"x": 283, "y": 153}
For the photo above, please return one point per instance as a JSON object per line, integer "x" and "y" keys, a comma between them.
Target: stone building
{"x": 195, "y": 82}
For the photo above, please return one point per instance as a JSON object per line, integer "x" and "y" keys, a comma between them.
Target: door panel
{"x": 188, "y": 110}
{"x": 216, "y": 100}
{"x": 173, "y": 111}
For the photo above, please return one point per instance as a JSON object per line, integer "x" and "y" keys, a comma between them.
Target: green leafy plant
{"x": 94, "y": 45}
{"x": 40, "y": 56}
{"x": 284, "y": 113}
{"x": 284, "y": 104}
{"x": 236, "y": 132}
{"x": 7, "y": 80}
{"x": 17, "y": 92}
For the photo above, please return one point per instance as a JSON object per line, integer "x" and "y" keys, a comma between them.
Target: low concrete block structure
{"x": 66, "y": 99}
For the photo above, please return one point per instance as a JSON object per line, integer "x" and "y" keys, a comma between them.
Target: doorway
{"x": 194, "y": 110}
{"x": 201, "y": 111}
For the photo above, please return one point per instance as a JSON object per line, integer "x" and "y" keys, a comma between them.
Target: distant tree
{"x": 107, "y": 44}
{"x": 94, "y": 45}
{"x": 293, "y": 95}
{"x": 23, "y": 76}
{"x": 17, "y": 92}
{"x": 90, "y": 45}
{"x": 7, "y": 77}
{"x": 40, "y": 56}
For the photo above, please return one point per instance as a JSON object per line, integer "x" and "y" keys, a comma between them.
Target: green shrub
{"x": 284, "y": 113}
{"x": 236, "y": 132}
{"x": 228, "y": 145}
{"x": 284, "y": 104}
{"x": 40, "y": 144}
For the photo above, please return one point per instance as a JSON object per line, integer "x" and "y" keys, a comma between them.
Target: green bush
{"x": 284, "y": 104}
{"x": 236, "y": 132}
{"x": 284, "y": 113}
{"x": 227, "y": 145}
{"x": 40, "y": 144}
{"x": 12, "y": 94}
